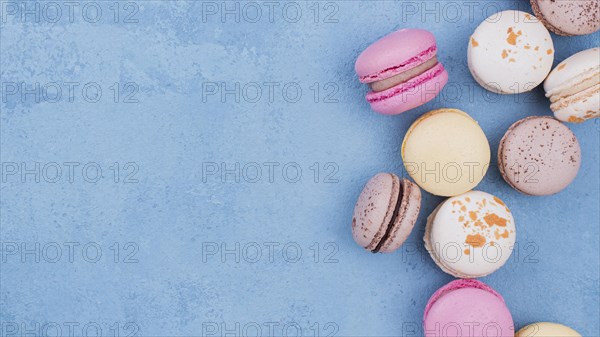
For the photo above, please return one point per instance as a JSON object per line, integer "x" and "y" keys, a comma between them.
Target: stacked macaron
{"x": 385, "y": 213}
{"x": 446, "y": 153}
{"x": 402, "y": 70}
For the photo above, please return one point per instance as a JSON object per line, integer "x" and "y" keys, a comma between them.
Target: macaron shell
{"x": 471, "y": 235}
{"x": 467, "y": 309}
{"x": 446, "y": 152}
{"x": 568, "y": 17}
{"x": 374, "y": 209}
{"x": 547, "y": 329}
{"x": 394, "y": 53}
{"x": 407, "y": 217}
{"x": 459, "y": 284}
{"x": 568, "y": 73}
{"x": 510, "y": 52}
{"x": 539, "y": 156}
{"x": 409, "y": 95}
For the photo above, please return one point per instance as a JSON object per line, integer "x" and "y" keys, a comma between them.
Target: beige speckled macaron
{"x": 568, "y": 17}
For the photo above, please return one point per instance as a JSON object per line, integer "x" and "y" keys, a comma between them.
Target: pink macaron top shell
{"x": 395, "y": 53}
{"x": 467, "y": 308}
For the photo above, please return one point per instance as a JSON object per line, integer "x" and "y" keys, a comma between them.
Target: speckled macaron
{"x": 385, "y": 213}
{"x": 568, "y": 17}
{"x": 539, "y": 156}
{"x": 510, "y": 52}
{"x": 547, "y": 329}
{"x": 470, "y": 235}
{"x": 574, "y": 87}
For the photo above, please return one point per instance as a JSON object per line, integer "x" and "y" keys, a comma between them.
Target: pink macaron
{"x": 467, "y": 308}
{"x": 402, "y": 70}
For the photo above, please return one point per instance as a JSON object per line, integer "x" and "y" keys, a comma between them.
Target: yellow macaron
{"x": 446, "y": 152}
{"x": 546, "y": 329}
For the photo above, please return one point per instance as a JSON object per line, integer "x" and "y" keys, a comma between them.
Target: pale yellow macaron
{"x": 446, "y": 152}
{"x": 546, "y": 329}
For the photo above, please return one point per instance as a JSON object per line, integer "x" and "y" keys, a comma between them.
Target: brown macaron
{"x": 385, "y": 213}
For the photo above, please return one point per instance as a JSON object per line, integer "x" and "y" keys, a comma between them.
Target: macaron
{"x": 471, "y": 235}
{"x": 385, "y": 213}
{"x": 446, "y": 152}
{"x": 511, "y": 52}
{"x": 467, "y": 308}
{"x": 402, "y": 70}
{"x": 574, "y": 87}
{"x": 539, "y": 156}
{"x": 568, "y": 17}
{"x": 547, "y": 329}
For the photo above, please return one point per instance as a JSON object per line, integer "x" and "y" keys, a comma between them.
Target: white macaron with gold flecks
{"x": 470, "y": 235}
{"x": 510, "y": 52}
{"x": 574, "y": 87}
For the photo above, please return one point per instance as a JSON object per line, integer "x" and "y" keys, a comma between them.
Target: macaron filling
{"x": 390, "y": 227}
{"x": 402, "y": 77}
{"x": 408, "y": 86}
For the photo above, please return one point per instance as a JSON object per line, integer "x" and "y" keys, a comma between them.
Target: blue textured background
{"x": 170, "y": 213}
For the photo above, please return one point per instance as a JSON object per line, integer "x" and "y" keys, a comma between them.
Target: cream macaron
{"x": 510, "y": 52}
{"x": 470, "y": 235}
{"x": 574, "y": 87}
{"x": 547, "y": 329}
{"x": 446, "y": 152}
